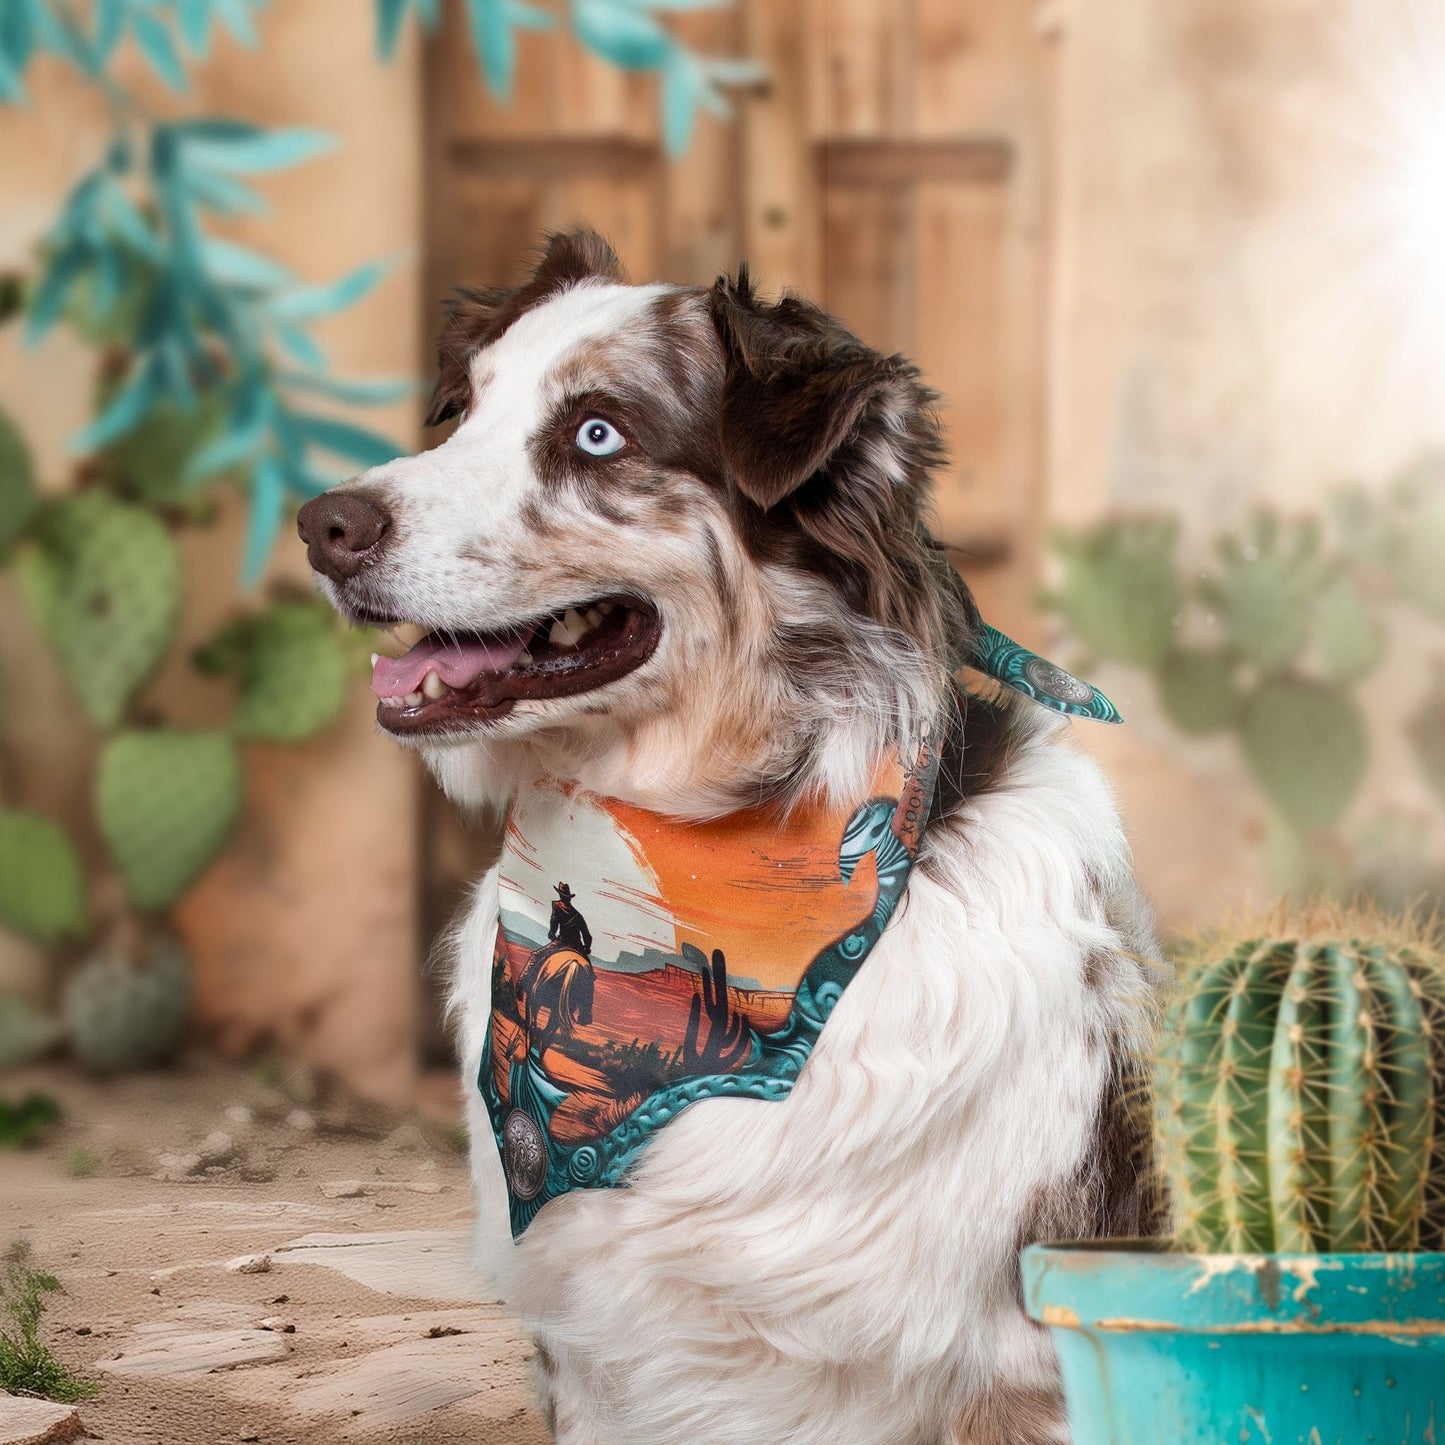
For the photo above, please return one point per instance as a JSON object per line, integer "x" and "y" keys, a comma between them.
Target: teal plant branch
{"x": 203, "y": 321}
{"x": 629, "y": 34}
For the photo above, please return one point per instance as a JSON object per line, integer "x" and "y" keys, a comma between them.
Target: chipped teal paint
{"x": 1281, "y": 1349}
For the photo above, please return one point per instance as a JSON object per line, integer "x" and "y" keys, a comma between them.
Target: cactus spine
{"x": 1301, "y": 1092}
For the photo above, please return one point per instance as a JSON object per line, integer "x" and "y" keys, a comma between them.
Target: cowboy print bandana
{"x": 643, "y": 963}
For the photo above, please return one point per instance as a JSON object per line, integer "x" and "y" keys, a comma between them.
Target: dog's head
{"x": 674, "y": 544}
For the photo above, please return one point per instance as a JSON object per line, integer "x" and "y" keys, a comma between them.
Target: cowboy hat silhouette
{"x": 563, "y": 892}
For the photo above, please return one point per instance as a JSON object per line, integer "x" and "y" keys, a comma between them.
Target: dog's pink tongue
{"x": 457, "y": 663}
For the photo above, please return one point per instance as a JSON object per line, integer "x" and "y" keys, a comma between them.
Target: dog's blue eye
{"x": 599, "y": 438}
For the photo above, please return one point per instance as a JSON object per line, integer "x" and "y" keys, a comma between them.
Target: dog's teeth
{"x": 526, "y": 658}
{"x": 392, "y": 701}
{"x": 561, "y": 634}
{"x": 413, "y": 699}
{"x": 375, "y": 658}
{"x": 594, "y": 616}
{"x": 605, "y": 607}
{"x": 433, "y": 686}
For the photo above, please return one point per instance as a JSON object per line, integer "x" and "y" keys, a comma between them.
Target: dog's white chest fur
{"x": 840, "y": 1266}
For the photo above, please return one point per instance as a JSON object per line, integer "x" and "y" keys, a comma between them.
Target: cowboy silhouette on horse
{"x": 559, "y": 978}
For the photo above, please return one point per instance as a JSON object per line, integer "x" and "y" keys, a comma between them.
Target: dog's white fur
{"x": 840, "y": 1266}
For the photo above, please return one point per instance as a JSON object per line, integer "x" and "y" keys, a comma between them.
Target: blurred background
{"x": 1177, "y": 270}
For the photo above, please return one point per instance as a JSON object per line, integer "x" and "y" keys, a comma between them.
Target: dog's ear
{"x": 477, "y": 317}
{"x": 796, "y": 388}
{"x": 837, "y": 444}
{"x": 472, "y": 317}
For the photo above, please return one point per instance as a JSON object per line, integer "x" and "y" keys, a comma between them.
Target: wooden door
{"x": 893, "y": 168}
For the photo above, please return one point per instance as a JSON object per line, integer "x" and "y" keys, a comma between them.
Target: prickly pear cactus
{"x": 293, "y": 673}
{"x": 1121, "y": 592}
{"x": 1427, "y": 733}
{"x": 125, "y": 1016}
{"x": 105, "y": 584}
{"x": 1417, "y": 535}
{"x": 1266, "y": 588}
{"x": 150, "y": 462}
{"x": 166, "y": 801}
{"x": 1301, "y": 1090}
{"x": 1307, "y": 746}
{"x": 18, "y": 498}
{"x": 1199, "y": 689}
{"x": 42, "y": 887}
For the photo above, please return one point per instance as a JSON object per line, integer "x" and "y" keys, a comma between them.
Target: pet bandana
{"x": 644, "y": 962}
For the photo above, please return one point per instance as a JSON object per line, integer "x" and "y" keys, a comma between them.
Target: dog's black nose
{"x": 342, "y": 531}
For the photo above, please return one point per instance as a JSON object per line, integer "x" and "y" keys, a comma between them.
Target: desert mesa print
{"x": 695, "y": 939}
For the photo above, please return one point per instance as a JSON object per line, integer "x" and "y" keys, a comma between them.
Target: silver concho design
{"x": 524, "y": 1155}
{"x": 1053, "y": 681}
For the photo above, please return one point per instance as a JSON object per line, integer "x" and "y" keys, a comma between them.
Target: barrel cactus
{"x": 1301, "y": 1089}
{"x": 129, "y": 1013}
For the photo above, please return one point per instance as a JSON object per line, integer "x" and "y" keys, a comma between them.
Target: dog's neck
{"x": 748, "y": 746}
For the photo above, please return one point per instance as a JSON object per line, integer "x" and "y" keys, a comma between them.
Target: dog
{"x": 733, "y": 490}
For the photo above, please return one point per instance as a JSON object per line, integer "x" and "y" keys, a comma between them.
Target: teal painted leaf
{"x": 344, "y": 439}
{"x": 622, "y": 34}
{"x": 18, "y": 496}
{"x": 494, "y": 43}
{"x": 155, "y": 42}
{"x": 380, "y": 392}
{"x": 301, "y": 347}
{"x": 1307, "y": 746}
{"x": 194, "y": 19}
{"x": 307, "y": 303}
{"x": 257, "y": 153}
{"x": 236, "y": 16}
{"x": 389, "y": 17}
{"x": 166, "y": 802}
{"x": 682, "y": 85}
{"x": 47, "y": 302}
{"x": 235, "y": 265}
{"x": 130, "y": 403}
{"x": 268, "y": 503}
{"x": 42, "y": 887}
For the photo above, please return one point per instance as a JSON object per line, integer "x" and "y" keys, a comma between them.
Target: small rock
{"x": 27, "y": 1421}
{"x": 406, "y": 1139}
{"x": 250, "y": 1264}
{"x": 442, "y": 1332}
{"x": 424, "y": 1186}
{"x": 82, "y": 1329}
{"x": 343, "y": 1188}
{"x": 240, "y": 1115}
{"x": 280, "y": 1299}
{"x": 175, "y": 1168}
{"x": 277, "y": 1324}
{"x": 248, "y": 1435}
{"x": 218, "y": 1147}
{"x": 300, "y": 1120}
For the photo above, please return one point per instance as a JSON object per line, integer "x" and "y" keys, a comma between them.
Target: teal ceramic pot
{"x": 1159, "y": 1348}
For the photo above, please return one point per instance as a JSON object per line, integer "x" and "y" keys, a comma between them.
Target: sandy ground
{"x": 364, "y": 1326}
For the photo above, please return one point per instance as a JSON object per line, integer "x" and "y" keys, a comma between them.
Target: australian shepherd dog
{"x": 703, "y": 510}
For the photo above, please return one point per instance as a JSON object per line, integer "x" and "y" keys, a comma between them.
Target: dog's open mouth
{"x": 452, "y": 681}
